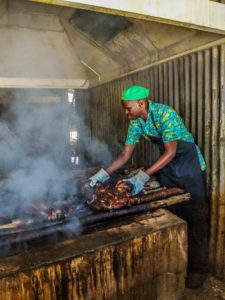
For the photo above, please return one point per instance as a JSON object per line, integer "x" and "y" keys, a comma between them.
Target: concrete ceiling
{"x": 41, "y": 47}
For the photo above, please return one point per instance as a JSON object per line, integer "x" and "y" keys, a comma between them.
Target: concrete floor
{"x": 212, "y": 289}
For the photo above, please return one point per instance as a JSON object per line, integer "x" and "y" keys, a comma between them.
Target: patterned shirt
{"x": 168, "y": 124}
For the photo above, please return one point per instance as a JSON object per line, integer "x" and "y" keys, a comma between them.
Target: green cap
{"x": 135, "y": 92}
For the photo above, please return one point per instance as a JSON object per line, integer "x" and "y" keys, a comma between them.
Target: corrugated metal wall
{"x": 195, "y": 86}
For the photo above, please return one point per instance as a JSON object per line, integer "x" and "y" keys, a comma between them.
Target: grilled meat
{"x": 112, "y": 197}
{"x": 57, "y": 210}
{"x": 123, "y": 187}
{"x": 58, "y": 213}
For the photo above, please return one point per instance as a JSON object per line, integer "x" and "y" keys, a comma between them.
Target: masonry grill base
{"x": 139, "y": 257}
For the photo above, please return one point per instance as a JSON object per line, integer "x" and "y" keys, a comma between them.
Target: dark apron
{"x": 184, "y": 171}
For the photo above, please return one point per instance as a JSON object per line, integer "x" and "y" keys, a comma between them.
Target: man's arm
{"x": 165, "y": 158}
{"x": 104, "y": 174}
{"x": 138, "y": 181}
{"x": 121, "y": 159}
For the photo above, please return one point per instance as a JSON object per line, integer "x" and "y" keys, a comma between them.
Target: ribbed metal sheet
{"x": 195, "y": 86}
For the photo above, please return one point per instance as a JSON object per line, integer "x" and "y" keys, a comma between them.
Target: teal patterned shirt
{"x": 168, "y": 124}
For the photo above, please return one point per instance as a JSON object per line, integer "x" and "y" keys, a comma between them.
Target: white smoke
{"x": 35, "y": 158}
{"x": 34, "y": 155}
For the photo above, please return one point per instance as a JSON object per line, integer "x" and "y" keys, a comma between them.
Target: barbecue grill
{"x": 22, "y": 234}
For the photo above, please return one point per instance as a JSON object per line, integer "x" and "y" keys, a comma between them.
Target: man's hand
{"x": 138, "y": 182}
{"x": 87, "y": 189}
{"x": 100, "y": 176}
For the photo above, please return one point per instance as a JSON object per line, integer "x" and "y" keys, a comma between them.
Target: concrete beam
{"x": 198, "y": 14}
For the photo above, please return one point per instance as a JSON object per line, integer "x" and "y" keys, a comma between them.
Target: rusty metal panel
{"x": 187, "y": 92}
{"x": 200, "y": 99}
{"x": 207, "y": 112}
{"x": 214, "y": 150}
{"x": 193, "y": 87}
{"x": 220, "y": 270}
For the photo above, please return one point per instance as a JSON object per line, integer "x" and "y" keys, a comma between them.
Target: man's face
{"x": 131, "y": 108}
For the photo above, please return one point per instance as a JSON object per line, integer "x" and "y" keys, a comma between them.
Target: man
{"x": 180, "y": 164}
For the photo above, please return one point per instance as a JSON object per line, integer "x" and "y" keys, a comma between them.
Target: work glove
{"x": 138, "y": 182}
{"x": 100, "y": 176}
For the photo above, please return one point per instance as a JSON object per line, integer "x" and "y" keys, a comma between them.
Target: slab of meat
{"x": 112, "y": 197}
{"x": 116, "y": 197}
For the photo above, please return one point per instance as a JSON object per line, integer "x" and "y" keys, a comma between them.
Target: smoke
{"x": 72, "y": 228}
{"x": 11, "y": 150}
{"x": 94, "y": 151}
{"x": 35, "y": 154}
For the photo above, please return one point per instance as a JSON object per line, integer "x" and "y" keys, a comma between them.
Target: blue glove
{"x": 138, "y": 182}
{"x": 100, "y": 176}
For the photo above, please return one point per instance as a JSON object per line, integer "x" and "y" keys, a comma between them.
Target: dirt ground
{"x": 212, "y": 289}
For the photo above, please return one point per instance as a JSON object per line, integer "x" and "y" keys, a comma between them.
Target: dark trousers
{"x": 198, "y": 235}
{"x": 195, "y": 212}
